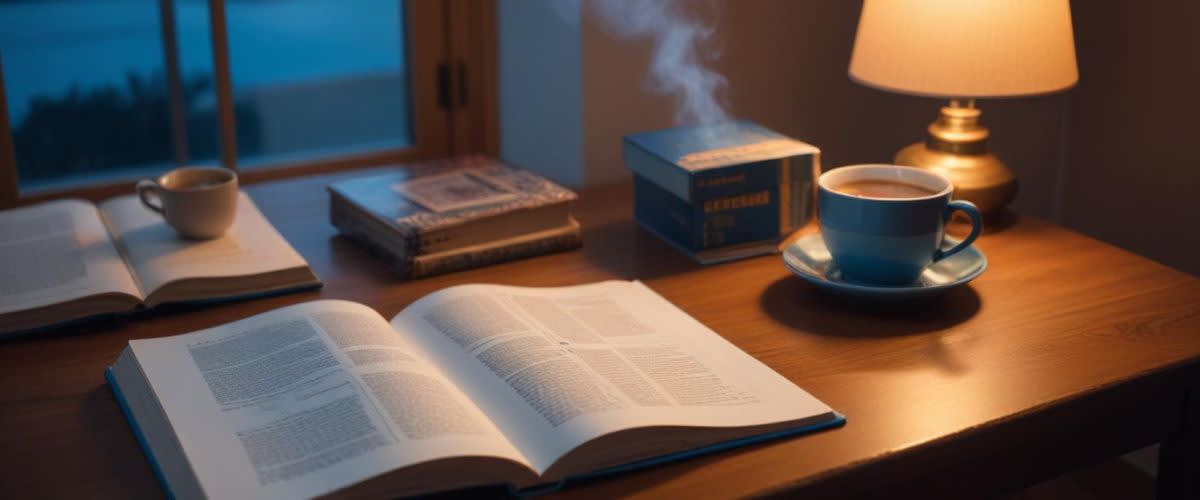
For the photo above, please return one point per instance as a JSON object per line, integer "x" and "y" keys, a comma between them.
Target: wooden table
{"x": 1067, "y": 350}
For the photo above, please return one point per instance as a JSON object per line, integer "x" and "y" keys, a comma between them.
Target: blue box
{"x": 721, "y": 192}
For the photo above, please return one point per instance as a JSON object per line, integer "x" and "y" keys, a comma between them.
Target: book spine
{"x": 434, "y": 264}
{"x": 798, "y": 191}
{"x": 350, "y": 225}
{"x": 498, "y": 227}
{"x": 433, "y": 241}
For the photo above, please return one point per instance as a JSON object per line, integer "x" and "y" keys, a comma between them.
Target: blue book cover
{"x": 836, "y": 420}
{"x": 716, "y": 223}
{"x": 721, "y": 186}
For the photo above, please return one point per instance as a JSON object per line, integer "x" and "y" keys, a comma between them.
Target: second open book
{"x": 471, "y": 385}
{"x": 69, "y": 259}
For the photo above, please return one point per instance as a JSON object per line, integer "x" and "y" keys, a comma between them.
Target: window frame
{"x": 451, "y": 66}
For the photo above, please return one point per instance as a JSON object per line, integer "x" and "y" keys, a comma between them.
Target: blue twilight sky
{"x": 47, "y": 46}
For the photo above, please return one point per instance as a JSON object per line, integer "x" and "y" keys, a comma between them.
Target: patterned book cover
{"x": 374, "y": 237}
{"x": 442, "y": 205}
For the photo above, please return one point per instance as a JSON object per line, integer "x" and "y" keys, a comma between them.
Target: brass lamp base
{"x": 957, "y": 148}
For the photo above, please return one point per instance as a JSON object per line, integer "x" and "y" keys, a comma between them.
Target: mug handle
{"x": 147, "y": 187}
{"x": 976, "y": 225}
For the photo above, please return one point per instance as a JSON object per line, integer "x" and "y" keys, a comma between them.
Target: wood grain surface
{"x": 1066, "y": 351}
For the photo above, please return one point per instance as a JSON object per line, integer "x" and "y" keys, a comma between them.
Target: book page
{"x": 57, "y": 251}
{"x": 159, "y": 255}
{"x": 309, "y": 399}
{"x": 557, "y": 367}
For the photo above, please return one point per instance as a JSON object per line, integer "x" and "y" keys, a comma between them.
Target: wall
{"x": 1132, "y": 176}
{"x": 540, "y": 93}
{"x": 786, "y": 62}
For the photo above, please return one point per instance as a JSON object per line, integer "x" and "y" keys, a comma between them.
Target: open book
{"x": 68, "y": 259}
{"x": 471, "y": 385}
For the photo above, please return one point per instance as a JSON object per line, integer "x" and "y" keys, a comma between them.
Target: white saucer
{"x": 808, "y": 258}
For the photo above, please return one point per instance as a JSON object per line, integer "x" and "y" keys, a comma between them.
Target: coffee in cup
{"x": 199, "y": 202}
{"x": 884, "y": 189}
{"x": 884, "y": 224}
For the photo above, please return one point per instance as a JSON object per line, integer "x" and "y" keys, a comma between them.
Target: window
{"x": 313, "y": 76}
{"x": 108, "y": 91}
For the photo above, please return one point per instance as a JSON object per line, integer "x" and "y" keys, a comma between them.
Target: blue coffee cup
{"x": 888, "y": 238}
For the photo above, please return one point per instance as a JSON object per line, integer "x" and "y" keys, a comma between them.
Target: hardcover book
{"x": 454, "y": 214}
{"x": 724, "y": 191}
{"x": 67, "y": 260}
{"x": 471, "y": 385}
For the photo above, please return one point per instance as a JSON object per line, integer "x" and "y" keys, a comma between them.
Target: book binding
{"x": 375, "y": 240}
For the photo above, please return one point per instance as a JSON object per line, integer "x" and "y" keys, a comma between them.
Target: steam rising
{"x": 677, "y": 67}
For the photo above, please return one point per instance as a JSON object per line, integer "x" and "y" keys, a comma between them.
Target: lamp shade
{"x": 965, "y": 48}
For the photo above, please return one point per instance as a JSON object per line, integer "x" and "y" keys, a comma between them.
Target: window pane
{"x": 316, "y": 78}
{"x": 87, "y": 90}
{"x": 193, "y": 32}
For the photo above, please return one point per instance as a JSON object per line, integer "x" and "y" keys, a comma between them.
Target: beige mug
{"x": 199, "y": 202}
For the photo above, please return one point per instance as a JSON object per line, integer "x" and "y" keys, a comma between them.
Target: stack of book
{"x": 454, "y": 214}
{"x": 722, "y": 191}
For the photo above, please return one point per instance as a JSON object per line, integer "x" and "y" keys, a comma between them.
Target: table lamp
{"x": 964, "y": 50}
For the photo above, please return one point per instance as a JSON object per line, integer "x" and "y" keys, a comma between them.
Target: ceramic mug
{"x": 199, "y": 202}
{"x": 888, "y": 239}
